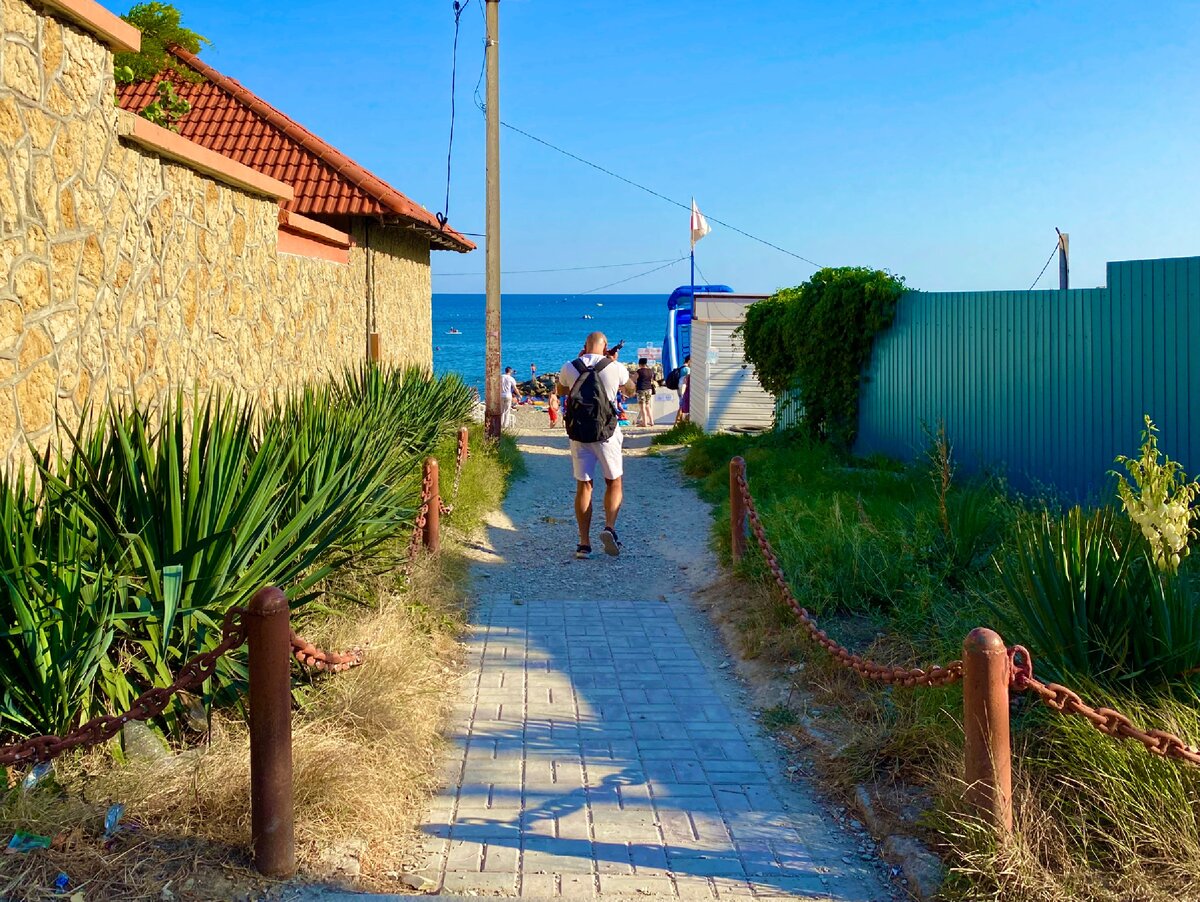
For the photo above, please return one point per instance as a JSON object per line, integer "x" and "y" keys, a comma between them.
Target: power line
{"x": 482, "y": 61}
{"x": 515, "y": 272}
{"x": 627, "y": 279}
{"x": 651, "y": 191}
{"x": 444, "y": 216}
{"x": 1043, "y": 272}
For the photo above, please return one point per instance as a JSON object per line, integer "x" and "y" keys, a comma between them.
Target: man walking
{"x": 590, "y": 384}
{"x": 508, "y": 388}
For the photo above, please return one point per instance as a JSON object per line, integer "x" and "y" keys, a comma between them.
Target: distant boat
{"x": 598, "y": 304}
{"x": 586, "y": 316}
{"x": 453, "y": 332}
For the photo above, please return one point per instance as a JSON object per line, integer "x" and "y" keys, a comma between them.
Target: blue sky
{"x": 941, "y": 140}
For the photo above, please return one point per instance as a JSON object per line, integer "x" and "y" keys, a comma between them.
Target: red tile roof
{"x": 231, "y": 120}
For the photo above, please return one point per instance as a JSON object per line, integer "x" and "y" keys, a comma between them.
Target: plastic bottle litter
{"x": 61, "y": 882}
{"x": 26, "y": 842}
{"x": 112, "y": 820}
{"x": 34, "y": 777}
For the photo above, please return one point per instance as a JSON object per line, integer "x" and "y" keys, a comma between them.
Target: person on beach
{"x": 590, "y": 383}
{"x": 644, "y": 379}
{"x": 685, "y": 383}
{"x": 552, "y": 408}
{"x": 508, "y": 388}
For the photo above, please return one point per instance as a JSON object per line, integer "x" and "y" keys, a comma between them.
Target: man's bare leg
{"x": 583, "y": 510}
{"x": 614, "y": 493}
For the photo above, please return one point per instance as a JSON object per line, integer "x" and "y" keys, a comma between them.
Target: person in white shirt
{"x": 508, "y": 388}
{"x": 599, "y": 364}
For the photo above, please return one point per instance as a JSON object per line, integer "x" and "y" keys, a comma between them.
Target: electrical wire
{"x": 651, "y": 191}
{"x": 515, "y": 272}
{"x": 627, "y": 279}
{"x": 459, "y": 8}
{"x": 483, "y": 60}
{"x": 1044, "y": 268}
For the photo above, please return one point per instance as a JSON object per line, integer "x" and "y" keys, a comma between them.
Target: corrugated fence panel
{"x": 1045, "y": 387}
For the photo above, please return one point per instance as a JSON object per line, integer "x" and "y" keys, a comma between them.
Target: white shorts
{"x": 585, "y": 456}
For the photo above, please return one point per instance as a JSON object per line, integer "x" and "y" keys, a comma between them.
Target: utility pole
{"x": 492, "y": 411}
{"x": 1064, "y": 270}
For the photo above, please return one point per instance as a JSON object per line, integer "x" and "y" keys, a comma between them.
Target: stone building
{"x": 243, "y": 251}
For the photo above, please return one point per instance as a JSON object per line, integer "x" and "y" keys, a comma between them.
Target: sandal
{"x": 583, "y": 552}
{"x": 608, "y": 538}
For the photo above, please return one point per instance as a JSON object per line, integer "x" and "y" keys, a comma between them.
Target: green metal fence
{"x": 1044, "y": 386}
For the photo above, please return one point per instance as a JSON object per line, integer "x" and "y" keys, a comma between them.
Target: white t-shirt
{"x": 612, "y": 377}
{"x": 507, "y": 384}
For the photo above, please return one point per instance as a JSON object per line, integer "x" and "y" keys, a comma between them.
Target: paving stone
{"x": 590, "y": 758}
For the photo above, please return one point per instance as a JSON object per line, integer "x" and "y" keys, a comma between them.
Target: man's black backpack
{"x": 672, "y": 380}
{"x": 589, "y": 414}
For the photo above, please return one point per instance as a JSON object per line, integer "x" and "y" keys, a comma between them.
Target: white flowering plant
{"x": 1160, "y": 501}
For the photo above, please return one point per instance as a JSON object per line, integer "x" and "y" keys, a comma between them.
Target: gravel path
{"x": 600, "y": 748}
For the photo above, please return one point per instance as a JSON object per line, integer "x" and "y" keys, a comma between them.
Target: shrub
{"x": 161, "y": 27}
{"x": 817, "y": 338}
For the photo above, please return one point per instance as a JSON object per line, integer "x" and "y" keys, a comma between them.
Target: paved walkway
{"x": 599, "y": 748}
{"x": 595, "y": 754}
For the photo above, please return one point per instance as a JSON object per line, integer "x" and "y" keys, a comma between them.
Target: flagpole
{"x": 692, "y": 237}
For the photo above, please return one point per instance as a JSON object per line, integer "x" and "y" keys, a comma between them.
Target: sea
{"x": 541, "y": 330}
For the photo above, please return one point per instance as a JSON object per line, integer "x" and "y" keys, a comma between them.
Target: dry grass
{"x": 365, "y": 753}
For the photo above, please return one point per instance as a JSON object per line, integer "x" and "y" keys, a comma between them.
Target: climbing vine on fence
{"x": 817, "y": 337}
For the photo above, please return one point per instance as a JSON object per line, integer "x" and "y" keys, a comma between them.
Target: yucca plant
{"x": 58, "y": 614}
{"x": 124, "y": 554}
{"x": 198, "y": 512}
{"x": 1082, "y": 592}
{"x": 369, "y": 429}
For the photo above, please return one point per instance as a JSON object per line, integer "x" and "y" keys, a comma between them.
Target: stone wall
{"x": 123, "y": 273}
{"x": 403, "y": 289}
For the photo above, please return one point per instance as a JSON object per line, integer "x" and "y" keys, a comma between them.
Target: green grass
{"x": 682, "y": 433}
{"x": 898, "y": 562}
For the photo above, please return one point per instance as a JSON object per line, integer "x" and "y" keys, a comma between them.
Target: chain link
{"x": 148, "y": 705}
{"x": 936, "y": 675}
{"x": 331, "y": 662}
{"x": 1107, "y": 720}
{"x": 414, "y": 546}
{"x": 151, "y": 703}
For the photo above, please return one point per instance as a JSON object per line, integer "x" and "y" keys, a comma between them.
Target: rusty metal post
{"x": 433, "y": 510}
{"x": 464, "y": 445}
{"x": 737, "y": 509}
{"x": 272, "y": 826}
{"x": 986, "y": 669}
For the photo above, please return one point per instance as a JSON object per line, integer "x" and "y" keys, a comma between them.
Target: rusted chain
{"x": 871, "y": 670}
{"x": 1107, "y": 720}
{"x": 148, "y": 705}
{"x": 422, "y": 514}
{"x": 311, "y": 656}
{"x": 153, "y": 702}
{"x": 464, "y": 451}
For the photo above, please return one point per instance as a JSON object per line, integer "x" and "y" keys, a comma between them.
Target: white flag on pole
{"x": 700, "y": 226}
